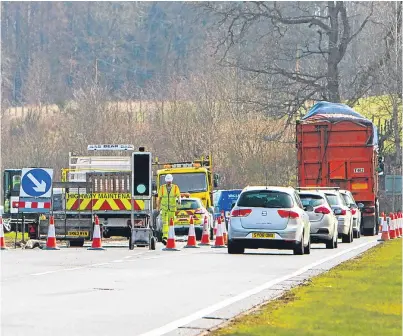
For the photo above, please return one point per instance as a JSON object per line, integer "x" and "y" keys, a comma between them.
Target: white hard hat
{"x": 169, "y": 178}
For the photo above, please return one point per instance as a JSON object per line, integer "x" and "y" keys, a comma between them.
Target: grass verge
{"x": 360, "y": 297}
{"x": 9, "y": 237}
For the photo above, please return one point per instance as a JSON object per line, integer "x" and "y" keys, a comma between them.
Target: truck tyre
{"x": 234, "y": 248}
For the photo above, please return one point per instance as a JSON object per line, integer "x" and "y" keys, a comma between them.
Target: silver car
{"x": 355, "y": 211}
{"x": 323, "y": 221}
{"x": 343, "y": 214}
{"x": 269, "y": 217}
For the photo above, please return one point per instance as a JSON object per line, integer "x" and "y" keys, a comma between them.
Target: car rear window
{"x": 312, "y": 200}
{"x": 347, "y": 199}
{"x": 265, "y": 199}
{"x": 334, "y": 199}
{"x": 189, "y": 205}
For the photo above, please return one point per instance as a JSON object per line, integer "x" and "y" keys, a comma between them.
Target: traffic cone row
{"x": 205, "y": 241}
{"x": 219, "y": 240}
{"x": 2, "y": 242}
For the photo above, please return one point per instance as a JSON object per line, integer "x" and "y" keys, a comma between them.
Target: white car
{"x": 269, "y": 217}
{"x": 355, "y": 211}
{"x": 343, "y": 214}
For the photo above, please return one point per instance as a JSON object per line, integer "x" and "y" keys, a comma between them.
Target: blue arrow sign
{"x": 36, "y": 182}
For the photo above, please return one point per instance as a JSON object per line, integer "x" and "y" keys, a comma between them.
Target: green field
{"x": 360, "y": 297}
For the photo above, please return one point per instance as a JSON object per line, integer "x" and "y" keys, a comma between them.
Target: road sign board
{"x": 36, "y": 182}
{"x": 33, "y": 205}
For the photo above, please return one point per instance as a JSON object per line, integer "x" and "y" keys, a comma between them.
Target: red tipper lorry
{"x": 338, "y": 147}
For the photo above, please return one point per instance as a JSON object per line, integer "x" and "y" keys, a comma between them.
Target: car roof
{"x": 271, "y": 188}
{"x": 312, "y": 192}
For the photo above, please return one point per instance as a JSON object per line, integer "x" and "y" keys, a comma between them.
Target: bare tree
{"x": 298, "y": 48}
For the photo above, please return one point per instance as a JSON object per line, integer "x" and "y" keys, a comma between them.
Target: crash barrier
{"x": 2, "y": 241}
{"x": 392, "y": 226}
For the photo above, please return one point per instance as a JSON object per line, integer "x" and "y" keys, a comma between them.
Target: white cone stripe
{"x": 1, "y": 228}
{"x": 97, "y": 232}
{"x": 51, "y": 231}
{"x": 171, "y": 232}
{"x": 192, "y": 231}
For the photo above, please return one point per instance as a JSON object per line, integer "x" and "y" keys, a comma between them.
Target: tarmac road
{"x": 78, "y": 292}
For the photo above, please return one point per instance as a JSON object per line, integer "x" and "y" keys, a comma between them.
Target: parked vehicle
{"x": 343, "y": 214}
{"x": 269, "y": 217}
{"x": 323, "y": 221}
{"x": 190, "y": 207}
{"x": 223, "y": 200}
{"x": 338, "y": 147}
{"x": 355, "y": 211}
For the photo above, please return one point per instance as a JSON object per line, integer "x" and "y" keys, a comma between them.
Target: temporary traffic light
{"x": 141, "y": 175}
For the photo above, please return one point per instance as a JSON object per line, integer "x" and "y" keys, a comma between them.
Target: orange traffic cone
{"x": 385, "y": 229}
{"x": 397, "y": 222}
{"x": 400, "y": 223}
{"x": 397, "y": 233}
{"x": 96, "y": 237}
{"x": 191, "y": 235}
{"x": 392, "y": 233}
{"x": 205, "y": 241}
{"x": 51, "y": 239}
{"x": 381, "y": 223}
{"x": 2, "y": 242}
{"x": 219, "y": 239}
{"x": 171, "y": 244}
{"x": 224, "y": 229}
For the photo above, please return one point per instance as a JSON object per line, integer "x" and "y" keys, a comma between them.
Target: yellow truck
{"x": 196, "y": 180}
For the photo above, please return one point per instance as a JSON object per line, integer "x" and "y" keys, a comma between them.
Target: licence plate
{"x": 78, "y": 233}
{"x": 263, "y": 235}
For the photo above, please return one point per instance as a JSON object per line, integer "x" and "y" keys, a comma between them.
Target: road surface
{"x": 77, "y": 292}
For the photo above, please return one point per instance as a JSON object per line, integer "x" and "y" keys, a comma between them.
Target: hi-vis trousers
{"x": 166, "y": 217}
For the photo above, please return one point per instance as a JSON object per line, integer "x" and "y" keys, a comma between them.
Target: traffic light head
{"x": 141, "y": 175}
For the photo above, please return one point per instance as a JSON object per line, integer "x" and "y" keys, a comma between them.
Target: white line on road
{"x": 206, "y": 311}
{"x": 43, "y": 273}
{"x": 117, "y": 261}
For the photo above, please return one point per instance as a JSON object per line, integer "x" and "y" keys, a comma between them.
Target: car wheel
{"x": 307, "y": 249}
{"x": 357, "y": 234}
{"x": 299, "y": 247}
{"x": 330, "y": 244}
{"x": 347, "y": 238}
{"x": 234, "y": 248}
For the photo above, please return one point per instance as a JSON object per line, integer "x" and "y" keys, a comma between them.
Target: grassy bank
{"x": 10, "y": 236}
{"x": 360, "y": 297}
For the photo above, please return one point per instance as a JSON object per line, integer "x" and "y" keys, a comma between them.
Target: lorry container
{"x": 338, "y": 147}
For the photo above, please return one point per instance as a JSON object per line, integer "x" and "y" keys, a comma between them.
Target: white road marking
{"x": 43, "y": 273}
{"x": 117, "y": 261}
{"x": 100, "y": 264}
{"x": 206, "y": 311}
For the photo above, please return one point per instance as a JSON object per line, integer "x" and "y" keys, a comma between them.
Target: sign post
{"x": 35, "y": 192}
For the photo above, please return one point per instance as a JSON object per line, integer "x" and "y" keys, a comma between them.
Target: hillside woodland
{"x": 188, "y": 79}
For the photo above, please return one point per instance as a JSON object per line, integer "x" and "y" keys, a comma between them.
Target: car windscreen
{"x": 265, "y": 199}
{"x": 189, "y": 204}
{"x": 312, "y": 200}
{"x": 188, "y": 182}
